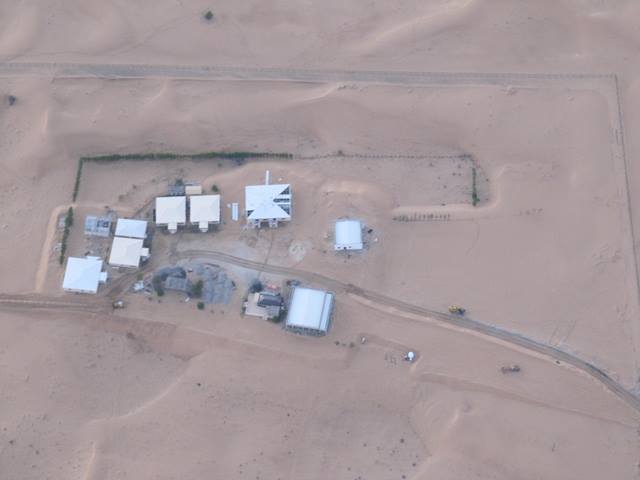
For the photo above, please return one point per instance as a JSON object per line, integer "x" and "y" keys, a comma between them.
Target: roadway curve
{"x": 103, "y": 305}
{"x": 465, "y": 322}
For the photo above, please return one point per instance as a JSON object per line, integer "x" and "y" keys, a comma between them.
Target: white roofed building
{"x": 204, "y": 210}
{"x": 171, "y": 211}
{"x": 127, "y": 252}
{"x": 348, "y": 235}
{"x": 127, "y": 227}
{"x": 310, "y": 311}
{"x": 267, "y": 203}
{"x": 83, "y": 275}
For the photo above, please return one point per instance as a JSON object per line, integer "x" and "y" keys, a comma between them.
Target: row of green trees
{"x": 68, "y": 223}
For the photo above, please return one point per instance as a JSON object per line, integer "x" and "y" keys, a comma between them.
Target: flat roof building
{"x": 171, "y": 211}
{"x": 193, "y": 189}
{"x": 265, "y": 304}
{"x": 204, "y": 210}
{"x": 97, "y": 226}
{"x": 83, "y": 275}
{"x": 267, "y": 203}
{"x": 127, "y": 252}
{"x": 310, "y": 311}
{"x": 128, "y": 227}
{"x": 348, "y": 235}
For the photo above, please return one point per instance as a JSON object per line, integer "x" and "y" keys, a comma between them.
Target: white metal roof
{"x": 171, "y": 211}
{"x": 204, "y": 209}
{"x": 126, "y": 252}
{"x": 310, "y": 309}
{"x": 263, "y": 202}
{"x": 127, "y": 227}
{"x": 348, "y": 235}
{"x": 83, "y": 274}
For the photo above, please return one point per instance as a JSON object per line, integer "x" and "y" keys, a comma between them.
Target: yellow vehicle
{"x": 456, "y": 310}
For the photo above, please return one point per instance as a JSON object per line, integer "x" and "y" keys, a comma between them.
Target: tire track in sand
{"x": 461, "y": 322}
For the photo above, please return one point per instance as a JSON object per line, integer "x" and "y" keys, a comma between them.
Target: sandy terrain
{"x": 163, "y": 391}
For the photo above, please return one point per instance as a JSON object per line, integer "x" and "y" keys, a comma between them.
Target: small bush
{"x": 200, "y": 305}
{"x": 12, "y": 99}
{"x": 281, "y": 316}
{"x": 76, "y": 186}
{"x": 196, "y": 290}
{"x": 68, "y": 222}
{"x": 208, "y": 15}
{"x": 474, "y": 190}
{"x": 156, "y": 283}
{"x": 256, "y": 286}
{"x": 214, "y": 188}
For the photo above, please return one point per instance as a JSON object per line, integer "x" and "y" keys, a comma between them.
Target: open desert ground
{"x": 541, "y": 102}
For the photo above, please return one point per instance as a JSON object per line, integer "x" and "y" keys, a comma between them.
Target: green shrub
{"x": 196, "y": 290}
{"x": 156, "y": 283}
{"x": 200, "y": 305}
{"x": 214, "y": 188}
{"x": 256, "y": 286}
{"x": 68, "y": 222}
{"x": 474, "y": 189}
{"x": 208, "y": 15}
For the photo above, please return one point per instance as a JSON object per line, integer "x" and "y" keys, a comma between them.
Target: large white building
{"x": 267, "y": 203}
{"x": 83, "y": 275}
{"x": 171, "y": 212}
{"x": 128, "y": 227}
{"x": 348, "y": 235}
{"x": 310, "y": 311}
{"x": 204, "y": 210}
{"x": 127, "y": 252}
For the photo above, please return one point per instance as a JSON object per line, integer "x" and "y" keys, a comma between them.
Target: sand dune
{"x": 162, "y": 390}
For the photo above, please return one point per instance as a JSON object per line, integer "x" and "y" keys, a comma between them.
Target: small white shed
{"x": 348, "y": 235}
{"x": 83, "y": 275}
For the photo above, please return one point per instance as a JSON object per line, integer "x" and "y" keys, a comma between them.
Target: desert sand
{"x": 541, "y": 100}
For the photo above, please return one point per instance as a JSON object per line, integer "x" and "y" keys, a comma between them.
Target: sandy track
{"x": 35, "y": 301}
{"x": 465, "y": 323}
{"x": 288, "y": 74}
{"x": 375, "y": 299}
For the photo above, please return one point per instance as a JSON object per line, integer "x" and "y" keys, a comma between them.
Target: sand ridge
{"x": 162, "y": 390}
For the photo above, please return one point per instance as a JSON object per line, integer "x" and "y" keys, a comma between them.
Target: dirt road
{"x": 214, "y": 72}
{"x": 465, "y": 322}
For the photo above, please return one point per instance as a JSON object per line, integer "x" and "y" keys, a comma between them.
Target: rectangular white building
{"x": 127, "y": 252}
{"x": 204, "y": 210}
{"x": 171, "y": 211}
{"x": 310, "y": 311}
{"x": 83, "y": 275}
{"x": 128, "y": 227}
{"x": 348, "y": 235}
